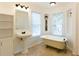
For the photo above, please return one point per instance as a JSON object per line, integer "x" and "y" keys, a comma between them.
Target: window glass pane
{"x": 58, "y": 23}
{"x": 35, "y": 24}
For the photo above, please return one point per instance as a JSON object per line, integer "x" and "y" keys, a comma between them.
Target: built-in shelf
{"x": 6, "y": 25}
{"x": 6, "y": 21}
{"x": 6, "y": 28}
{"x": 6, "y": 37}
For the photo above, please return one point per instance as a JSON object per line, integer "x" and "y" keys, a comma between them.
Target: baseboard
{"x": 70, "y": 49}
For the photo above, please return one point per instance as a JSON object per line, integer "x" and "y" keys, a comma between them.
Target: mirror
{"x": 46, "y": 22}
{"x": 21, "y": 19}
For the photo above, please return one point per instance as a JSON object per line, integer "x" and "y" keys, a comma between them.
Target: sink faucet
{"x": 23, "y": 32}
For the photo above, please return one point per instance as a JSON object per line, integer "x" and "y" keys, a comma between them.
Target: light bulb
{"x": 52, "y": 3}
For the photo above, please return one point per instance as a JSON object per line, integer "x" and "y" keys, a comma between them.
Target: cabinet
{"x": 6, "y": 35}
{"x": 6, "y": 47}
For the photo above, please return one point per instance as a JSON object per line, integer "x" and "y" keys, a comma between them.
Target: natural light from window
{"x": 57, "y": 24}
{"x": 36, "y": 24}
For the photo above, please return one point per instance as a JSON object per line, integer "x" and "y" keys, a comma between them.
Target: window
{"x": 35, "y": 24}
{"x": 57, "y": 24}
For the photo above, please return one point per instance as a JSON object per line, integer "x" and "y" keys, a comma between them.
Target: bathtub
{"x": 54, "y": 41}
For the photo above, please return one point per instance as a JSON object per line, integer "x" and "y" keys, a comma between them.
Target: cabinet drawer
{"x": 4, "y": 25}
{"x": 4, "y": 17}
{"x": 5, "y": 33}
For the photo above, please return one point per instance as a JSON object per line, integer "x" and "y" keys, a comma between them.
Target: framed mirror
{"x": 46, "y": 22}
{"x": 21, "y": 19}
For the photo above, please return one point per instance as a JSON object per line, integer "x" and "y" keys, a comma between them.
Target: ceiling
{"x": 46, "y": 4}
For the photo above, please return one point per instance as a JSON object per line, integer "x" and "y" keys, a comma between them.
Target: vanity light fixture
{"x": 69, "y": 12}
{"x": 26, "y": 7}
{"x": 17, "y": 5}
{"x": 52, "y": 3}
{"x": 21, "y": 6}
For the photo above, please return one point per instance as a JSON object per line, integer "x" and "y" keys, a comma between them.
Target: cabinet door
{"x": 6, "y": 47}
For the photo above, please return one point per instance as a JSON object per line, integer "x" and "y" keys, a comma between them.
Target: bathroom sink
{"x": 22, "y": 34}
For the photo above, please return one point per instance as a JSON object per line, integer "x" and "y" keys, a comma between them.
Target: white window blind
{"x": 57, "y": 24}
{"x": 35, "y": 24}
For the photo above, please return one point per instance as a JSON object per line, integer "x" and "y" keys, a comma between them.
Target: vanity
{"x": 22, "y": 32}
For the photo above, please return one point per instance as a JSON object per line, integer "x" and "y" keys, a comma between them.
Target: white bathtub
{"x": 54, "y": 41}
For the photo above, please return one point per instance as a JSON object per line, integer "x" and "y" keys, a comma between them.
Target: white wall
{"x": 77, "y": 30}
{"x": 71, "y": 34}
